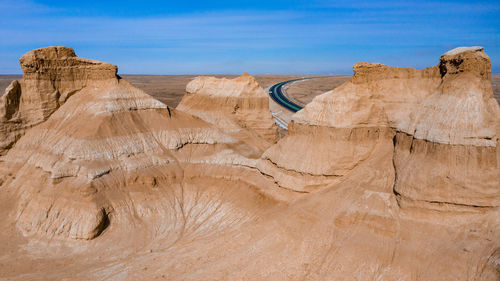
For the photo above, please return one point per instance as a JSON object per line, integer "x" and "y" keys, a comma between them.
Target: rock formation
{"x": 339, "y": 129}
{"x": 240, "y": 107}
{"x": 51, "y": 76}
{"x": 448, "y": 153}
{"x": 450, "y": 104}
{"x": 392, "y": 176}
{"x": 107, "y": 142}
{"x": 345, "y": 125}
{"x": 410, "y": 152}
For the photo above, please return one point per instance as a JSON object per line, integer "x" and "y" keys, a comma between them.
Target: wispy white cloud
{"x": 338, "y": 35}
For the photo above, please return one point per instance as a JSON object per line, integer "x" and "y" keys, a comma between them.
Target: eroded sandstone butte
{"x": 239, "y": 107}
{"x": 392, "y": 176}
{"x": 443, "y": 121}
{"x": 108, "y": 148}
{"x": 51, "y": 76}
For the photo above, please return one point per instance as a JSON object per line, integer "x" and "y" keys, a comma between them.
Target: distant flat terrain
{"x": 170, "y": 88}
{"x": 495, "y": 81}
{"x": 5, "y": 81}
{"x": 304, "y": 91}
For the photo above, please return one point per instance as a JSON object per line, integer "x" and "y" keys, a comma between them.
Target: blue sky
{"x": 281, "y": 37}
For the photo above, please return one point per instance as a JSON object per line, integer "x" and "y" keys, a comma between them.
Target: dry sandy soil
{"x": 170, "y": 88}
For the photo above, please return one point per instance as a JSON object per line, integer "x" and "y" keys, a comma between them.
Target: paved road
{"x": 276, "y": 93}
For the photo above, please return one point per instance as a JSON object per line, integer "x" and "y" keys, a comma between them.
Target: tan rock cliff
{"x": 239, "y": 107}
{"x": 51, "y": 76}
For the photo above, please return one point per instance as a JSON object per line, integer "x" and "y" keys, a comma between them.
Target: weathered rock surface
{"x": 343, "y": 126}
{"x": 396, "y": 89}
{"x": 448, "y": 109}
{"x": 107, "y": 142}
{"x": 51, "y": 76}
{"x": 448, "y": 153}
{"x": 413, "y": 155}
{"x": 339, "y": 130}
{"x": 115, "y": 185}
{"x": 239, "y": 107}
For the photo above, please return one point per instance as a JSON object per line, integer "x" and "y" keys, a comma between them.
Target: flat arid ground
{"x": 169, "y": 89}
{"x": 304, "y": 91}
{"x": 495, "y": 81}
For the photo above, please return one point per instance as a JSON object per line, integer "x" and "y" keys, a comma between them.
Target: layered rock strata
{"x": 343, "y": 126}
{"x": 109, "y": 149}
{"x": 395, "y": 155}
{"x": 51, "y": 76}
{"x": 239, "y": 107}
{"x": 446, "y": 122}
{"x": 447, "y": 155}
{"x": 338, "y": 131}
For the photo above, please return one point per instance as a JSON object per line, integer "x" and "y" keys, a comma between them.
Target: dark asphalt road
{"x": 277, "y": 95}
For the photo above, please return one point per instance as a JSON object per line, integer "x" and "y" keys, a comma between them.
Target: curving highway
{"x": 276, "y": 93}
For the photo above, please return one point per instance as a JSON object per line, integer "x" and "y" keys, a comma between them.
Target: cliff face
{"x": 338, "y": 131}
{"x": 445, "y": 119}
{"x": 344, "y": 126}
{"x": 447, "y": 154}
{"x": 51, "y": 76}
{"x": 239, "y": 107}
{"x": 396, "y": 89}
{"x": 406, "y": 155}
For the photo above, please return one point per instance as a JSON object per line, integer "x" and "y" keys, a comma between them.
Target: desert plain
{"x": 170, "y": 89}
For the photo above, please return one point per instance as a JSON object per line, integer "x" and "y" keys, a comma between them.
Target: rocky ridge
{"x": 239, "y": 107}
{"x": 447, "y": 109}
{"x": 51, "y": 76}
{"x": 116, "y": 185}
{"x": 108, "y": 143}
{"x": 448, "y": 152}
